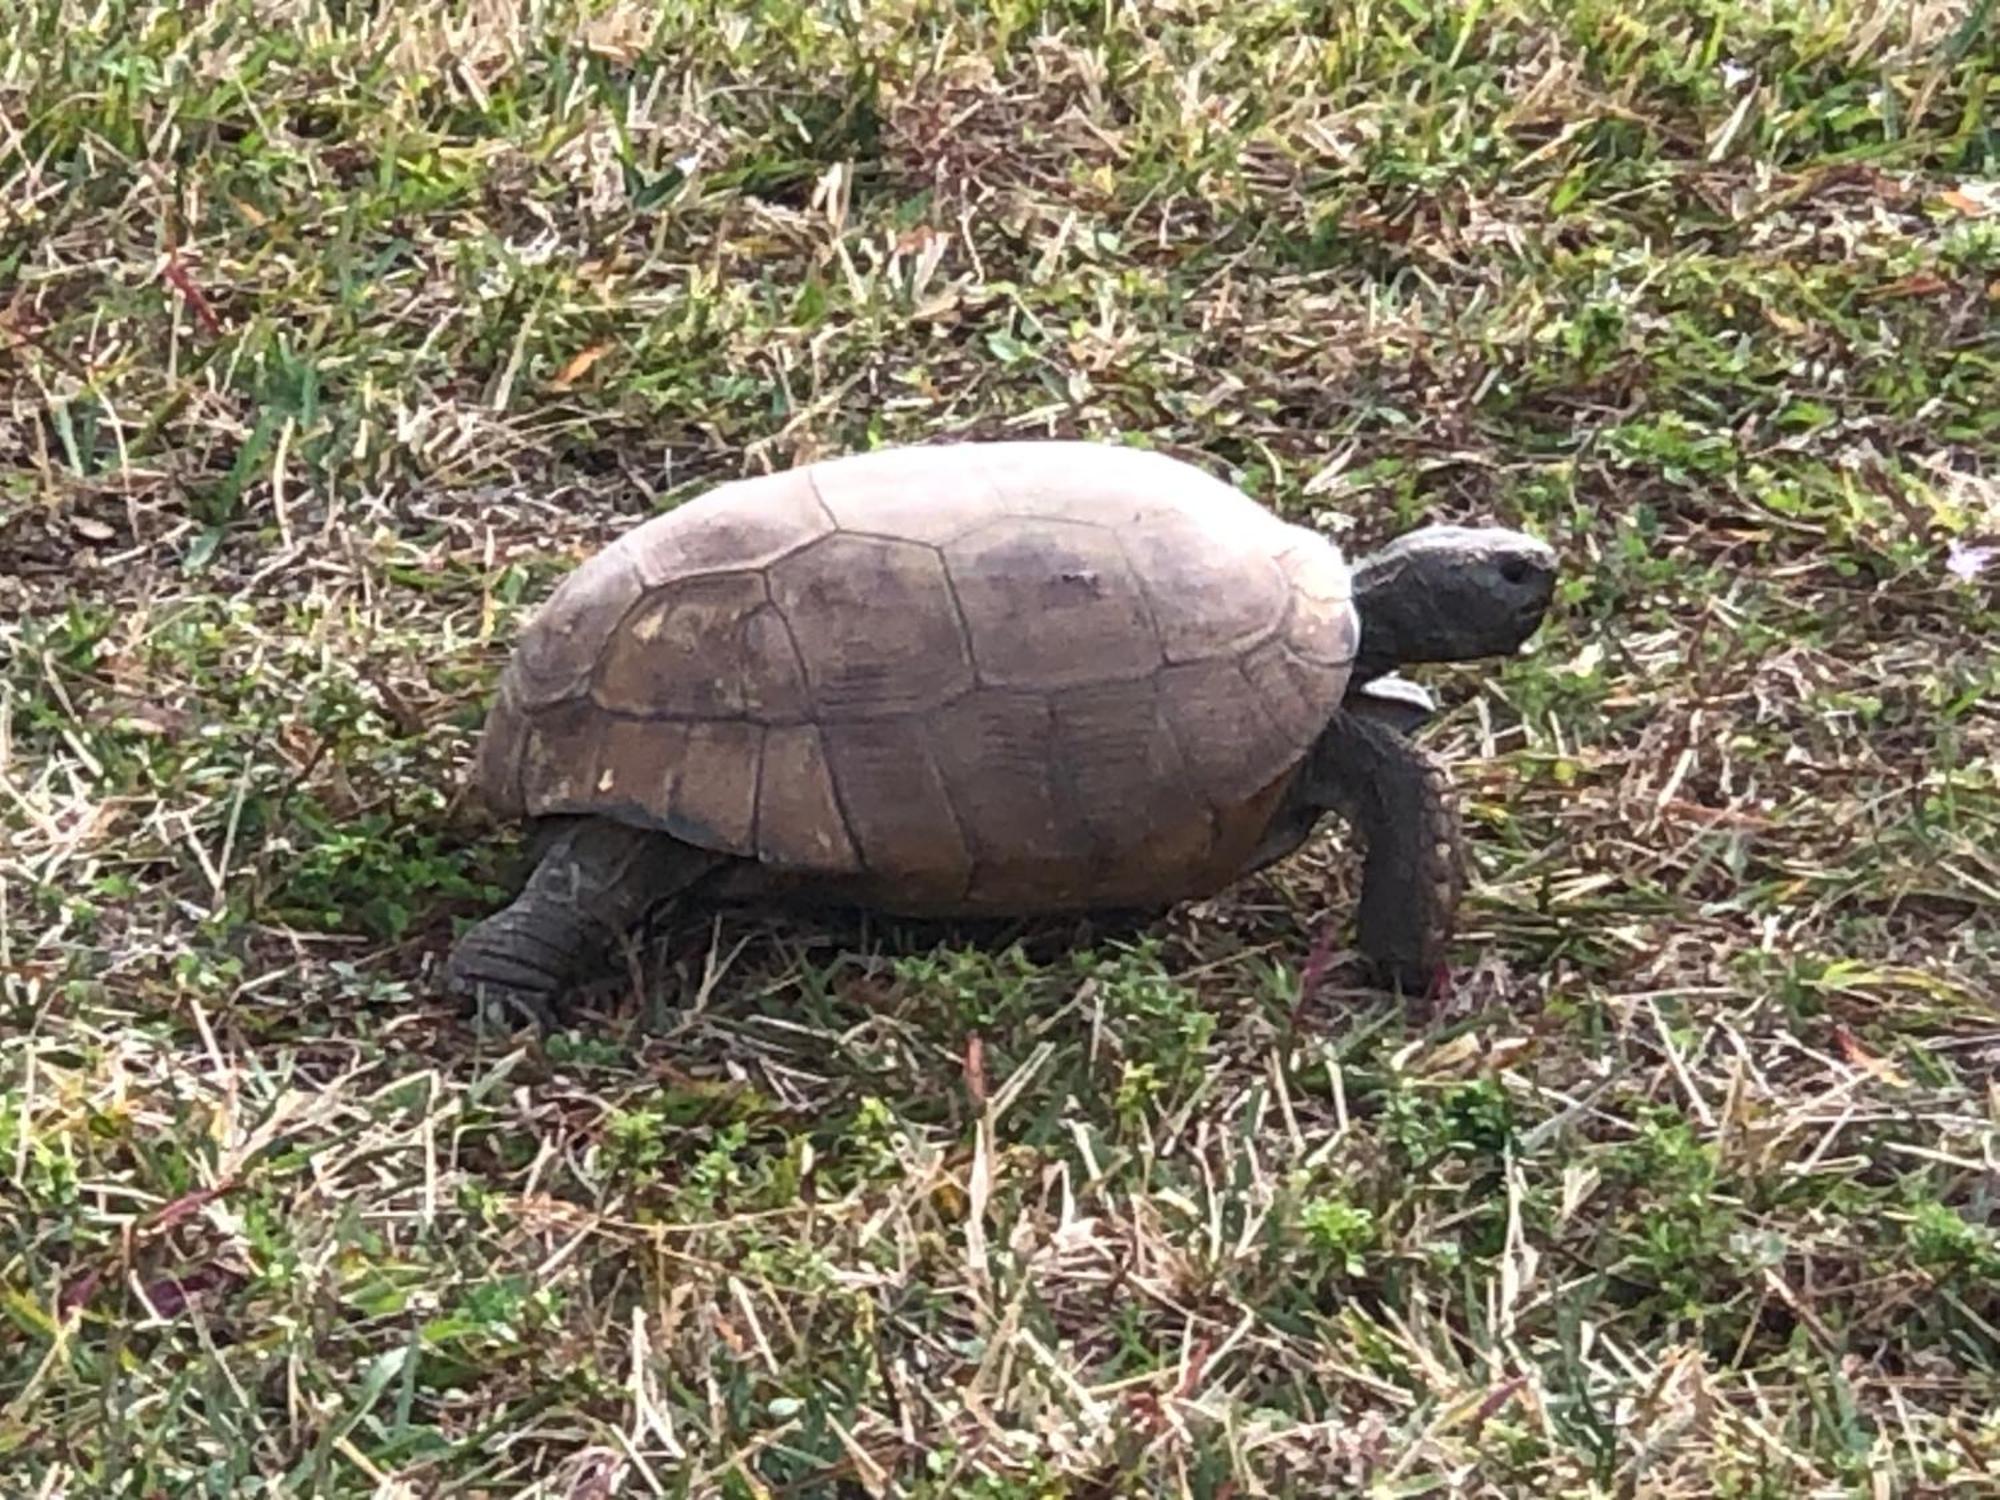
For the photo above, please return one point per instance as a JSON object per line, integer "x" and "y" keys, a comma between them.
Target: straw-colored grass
{"x": 330, "y": 335}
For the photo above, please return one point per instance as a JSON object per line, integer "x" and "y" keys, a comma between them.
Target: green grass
{"x": 330, "y": 335}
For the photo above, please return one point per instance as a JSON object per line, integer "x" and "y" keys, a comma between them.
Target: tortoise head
{"x": 1450, "y": 593}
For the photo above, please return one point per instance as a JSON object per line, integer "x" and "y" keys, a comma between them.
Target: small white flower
{"x": 1967, "y": 563}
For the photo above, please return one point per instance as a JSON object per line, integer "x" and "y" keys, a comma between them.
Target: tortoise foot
{"x": 595, "y": 881}
{"x": 1409, "y": 979}
{"x": 498, "y": 991}
{"x": 507, "y": 1011}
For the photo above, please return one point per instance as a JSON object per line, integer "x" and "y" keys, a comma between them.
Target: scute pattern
{"x": 715, "y": 794}
{"x": 997, "y": 753}
{"x": 1124, "y": 766}
{"x": 1051, "y": 605}
{"x": 1211, "y": 593}
{"x": 747, "y": 524}
{"x": 1116, "y": 486}
{"x": 496, "y": 766}
{"x": 907, "y": 492}
{"x": 1225, "y": 733}
{"x": 692, "y": 650}
{"x": 1320, "y": 624}
{"x": 560, "y": 752}
{"x": 1286, "y": 699}
{"x": 636, "y": 766}
{"x": 1166, "y": 861}
{"x": 983, "y": 676}
{"x": 895, "y": 802}
{"x": 799, "y": 822}
{"x": 556, "y": 656}
{"x": 875, "y": 626}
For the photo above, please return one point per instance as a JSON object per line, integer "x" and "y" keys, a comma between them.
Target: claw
{"x": 504, "y": 1007}
{"x": 532, "y": 1009}
{"x": 1411, "y": 980}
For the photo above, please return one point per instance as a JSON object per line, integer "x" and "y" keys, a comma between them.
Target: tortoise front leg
{"x": 593, "y": 882}
{"x": 1397, "y": 798}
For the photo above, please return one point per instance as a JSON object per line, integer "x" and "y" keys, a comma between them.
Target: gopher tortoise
{"x": 979, "y": 679}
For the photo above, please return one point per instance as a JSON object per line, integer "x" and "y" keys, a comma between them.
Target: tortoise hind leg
{"x": 593, "y": 881}
{"x": 1397, "y": 798}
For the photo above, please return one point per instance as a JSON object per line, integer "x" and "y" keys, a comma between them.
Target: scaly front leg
{"x": 594, "y": 882}
{"x": 1397, "y": 798}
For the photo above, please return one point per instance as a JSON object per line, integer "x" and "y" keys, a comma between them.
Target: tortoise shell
{"x": 973, "y": 677}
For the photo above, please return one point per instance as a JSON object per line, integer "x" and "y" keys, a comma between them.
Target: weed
{"x": 334, "y": 334}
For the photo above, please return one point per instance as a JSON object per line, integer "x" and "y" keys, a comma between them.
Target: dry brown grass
{"x": 331, "y": 339}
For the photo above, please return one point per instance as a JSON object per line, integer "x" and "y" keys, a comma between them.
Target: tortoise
{"x": 987, "y": 678}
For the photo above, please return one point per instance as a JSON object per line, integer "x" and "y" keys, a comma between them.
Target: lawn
{"x": 332, "y": 334}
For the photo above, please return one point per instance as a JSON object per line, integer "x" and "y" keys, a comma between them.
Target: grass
{"x": 334, "y": 333}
